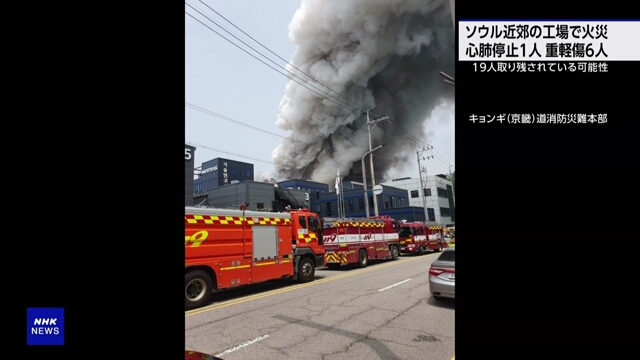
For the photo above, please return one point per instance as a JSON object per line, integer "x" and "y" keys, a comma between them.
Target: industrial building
{"x": 257, "y": 196}
{"x": 438, "y": 197}
{"x": 313, "y": 189}
{"x": 224, "y": 183}
{"x": 189, "y": 155}
{"x": 219, "y": 172}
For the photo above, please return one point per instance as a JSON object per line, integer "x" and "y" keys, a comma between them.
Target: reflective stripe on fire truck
{"x": 266, "y": 263}
{"x": 307, "y": 237}
{"x": 234, "y": 220}
{"x": 355, "y": 224}
{"x": 337, "y": 258}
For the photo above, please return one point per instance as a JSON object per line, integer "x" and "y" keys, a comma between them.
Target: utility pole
{"x": 453, "y": 194}
{"x": 364, "y": 179}
{"x": 371, "y": 125}
{"x": 422, "y": 183}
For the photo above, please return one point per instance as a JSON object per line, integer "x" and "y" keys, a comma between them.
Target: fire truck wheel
{"x": 394, "y": 252}
{"x": 439, "y": 248}
{"x": 420, "y": 250}
{"x": 197, "y": 289}
{"x": 363, "y": 258}
{"x": 306, "y": 270}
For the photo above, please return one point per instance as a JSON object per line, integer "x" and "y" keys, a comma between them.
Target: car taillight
{"x": 437, "y": 271}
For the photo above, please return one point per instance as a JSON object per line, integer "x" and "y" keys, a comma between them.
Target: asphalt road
{"x": 383, "y": 311}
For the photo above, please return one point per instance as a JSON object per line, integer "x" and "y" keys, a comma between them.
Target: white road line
{"x": 238, "y": 347}
{"x": 390, "y": 286}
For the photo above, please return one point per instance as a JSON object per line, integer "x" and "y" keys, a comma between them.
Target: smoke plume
{"x": 383, "y": 54}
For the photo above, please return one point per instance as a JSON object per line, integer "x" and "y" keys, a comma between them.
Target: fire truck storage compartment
{"x": 265, "y": 242}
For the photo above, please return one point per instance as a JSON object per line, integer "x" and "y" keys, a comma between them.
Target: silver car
{"x": 442, "y": 275}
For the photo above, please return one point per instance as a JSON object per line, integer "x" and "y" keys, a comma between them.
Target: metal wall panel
{"x": 265, "y": 242}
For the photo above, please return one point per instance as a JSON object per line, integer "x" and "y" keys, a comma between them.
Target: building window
{"x": 328, "y": 209}
{"x": 427, "y": 192}
{"x": 351, "y": 204}
{"x": 233, "y": 171}
{"x": 414, "y": 194}
{"x": 361, "y": 203}
{"x": 432, "y": 214}
{"x": 386, "y": 204}
{"x": 445, "y": 212}
{"x": 248, "y": 174}
{"x": 317, "y": 194}
{"x": 443, "y": 193}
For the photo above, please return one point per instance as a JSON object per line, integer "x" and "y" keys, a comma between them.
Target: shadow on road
{"x": 254, "y": 289}
{"x": 377, "y": 346}
{"x": 372, "y": 262}
{"x": 443, "y": 303}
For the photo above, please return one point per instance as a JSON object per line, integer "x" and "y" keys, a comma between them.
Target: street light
{"x": 373, "y": 179}
{"x": 364, "y": 179}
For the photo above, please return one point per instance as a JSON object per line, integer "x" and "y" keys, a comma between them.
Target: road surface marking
{"x": 238, "y": 347}
{"x": 299, "y": 286}
{"x": 396, "y": 284}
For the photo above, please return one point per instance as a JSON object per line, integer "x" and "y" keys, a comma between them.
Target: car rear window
{"x": 448, "y": 256}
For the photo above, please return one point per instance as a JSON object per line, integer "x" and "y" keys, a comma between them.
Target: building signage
{"x": 188, "y": 154}
{"x": 225, "y": 176}
{"x": 208, "y": 170}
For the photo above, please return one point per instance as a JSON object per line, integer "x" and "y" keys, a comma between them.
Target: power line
{"x": 255, "y": 159}
{"x": 253, "y": 56}
{"x": 198, "y": 108}
{"x": 330, "y": 98}
{"x": 227, "y": 152}
{"x": 209, "y": 112}
{"x": 335, "y": 100}
{"x": 281, "y": 58}
{"x": 396, "y": 128}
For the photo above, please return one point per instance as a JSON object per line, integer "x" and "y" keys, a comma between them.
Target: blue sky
{"x": 225, "y": 80}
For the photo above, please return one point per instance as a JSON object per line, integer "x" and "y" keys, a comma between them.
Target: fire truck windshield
{"x": 404, "y": 232}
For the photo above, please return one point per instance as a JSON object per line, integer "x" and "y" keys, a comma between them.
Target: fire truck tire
{"x": 395, "y": 253}
{"x": 363, "y": 258}
{"x": 420, "y": 250}
{"x": 439, "y": 248}
{"x": 306, "y": 270}
{"x": 198, "y": 286}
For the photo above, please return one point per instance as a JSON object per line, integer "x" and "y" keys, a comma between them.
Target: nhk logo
{"x": 45, "y": 326}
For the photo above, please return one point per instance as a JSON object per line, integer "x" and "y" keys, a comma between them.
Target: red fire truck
{"x": 230, "y": 248}
{"x": 356, "y": 241}
{"x": 418, "y": 237}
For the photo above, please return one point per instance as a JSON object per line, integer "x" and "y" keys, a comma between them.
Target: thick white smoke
{"x": 384, "y": 54}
